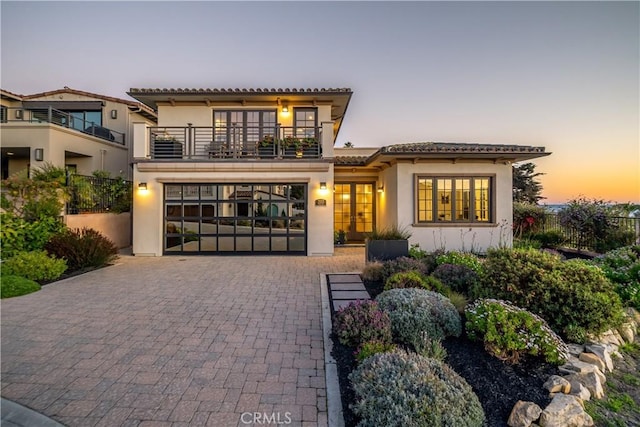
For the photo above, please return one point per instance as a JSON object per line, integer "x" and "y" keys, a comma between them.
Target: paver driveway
{"x": 174, "y": 341}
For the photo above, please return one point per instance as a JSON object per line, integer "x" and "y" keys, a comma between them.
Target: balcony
{"x": 61, "y": 118}
{"x": 235, "y": 142}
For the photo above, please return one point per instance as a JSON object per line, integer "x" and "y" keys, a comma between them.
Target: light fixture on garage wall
{"x": 142, "y": 186}
{"x": 114, "y": 114}
{"x": 39, "y": 154}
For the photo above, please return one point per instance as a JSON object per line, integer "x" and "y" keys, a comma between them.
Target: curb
{"x": 16, "y": 415}
{"x": 334, "y": 401}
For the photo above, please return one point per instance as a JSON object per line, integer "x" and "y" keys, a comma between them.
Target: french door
{"x": 354, "y": 209}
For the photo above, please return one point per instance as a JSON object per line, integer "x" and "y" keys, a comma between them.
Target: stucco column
{"x": 140, "y": 140}
{"x": 327, "y": 139}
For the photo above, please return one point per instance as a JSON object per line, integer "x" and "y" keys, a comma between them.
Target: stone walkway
{"x": 174, "y": 341}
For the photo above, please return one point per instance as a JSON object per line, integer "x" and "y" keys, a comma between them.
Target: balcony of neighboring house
{"x": 80, "y": 121}
{"x": 213, "y": 143}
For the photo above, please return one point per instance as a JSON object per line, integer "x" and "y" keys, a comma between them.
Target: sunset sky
{"x": 564, "y": 75}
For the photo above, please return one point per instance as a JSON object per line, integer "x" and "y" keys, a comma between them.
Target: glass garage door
{"x": 260, "y": 218}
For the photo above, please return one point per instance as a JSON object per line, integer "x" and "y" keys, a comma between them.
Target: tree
{"x": 526, "y": 188}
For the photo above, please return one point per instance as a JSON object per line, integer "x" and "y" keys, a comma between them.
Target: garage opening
{"x": 256, "y": 218}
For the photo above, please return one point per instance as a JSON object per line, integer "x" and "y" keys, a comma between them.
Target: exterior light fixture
{"x": 39, "y": 154}
{"x": 142, "y": 186}
{"x": 381, "y": 189}
{"x": 285, "y": 109}
{"x": 114, "y": 114}
{"x": 323, "y": 185}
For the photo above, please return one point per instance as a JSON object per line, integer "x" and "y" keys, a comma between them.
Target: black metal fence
{"x": 90, "y": 194}
{"x": 624, "y": 229}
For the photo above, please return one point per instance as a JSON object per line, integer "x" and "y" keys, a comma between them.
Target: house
{"x": 69, "y": 128}
{"x": 229, "y": 171}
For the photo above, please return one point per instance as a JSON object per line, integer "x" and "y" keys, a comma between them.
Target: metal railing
{"x": 627, "y": 229}
{"x": 234, "y": 142}
{"x": 61, "y": 118}
{"x": 90, "y": 194}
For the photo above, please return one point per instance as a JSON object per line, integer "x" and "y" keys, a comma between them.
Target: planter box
{"x": 268, "y": 152}
{"x": 384, "y": 250}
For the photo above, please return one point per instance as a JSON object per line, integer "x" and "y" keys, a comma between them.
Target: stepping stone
{"x": 350, "y": 295}
{"x": 347, "y": 287}
{"x": 344, "y": 278}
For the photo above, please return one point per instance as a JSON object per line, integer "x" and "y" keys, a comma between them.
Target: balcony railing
{"x": 61, "y": 118}
{"x": 235, "y": 142}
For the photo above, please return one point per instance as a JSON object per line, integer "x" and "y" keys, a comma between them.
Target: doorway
{"x": 354, "y": 209}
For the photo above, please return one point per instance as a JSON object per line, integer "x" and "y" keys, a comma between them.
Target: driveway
{"x": 173, "y": 341}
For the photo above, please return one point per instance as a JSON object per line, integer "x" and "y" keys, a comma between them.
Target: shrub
{"x": 457, "y": 277}
{"x": 399, "y": 265}
{"x": 82, "y": 248}
{"x": 414, "y": 311}
{"x": 572, "y": 296}
{"x": 405, "y": 279}
{"x": 433, "y": 284}
{"x": 36, "y": 265}
{"x": 362, "y": 321}
{"x": 20, "y": 235}
{"x": 427, "y": 347}
{"x": 549, "y": 239}
{"x": 372, "y": 272}
{"x": 389, "y": 233}
{"x": 469, "y": 260}
{"x": 510, "y": 332}
{"x": 401, "y": 389}
{"x": 15, "y": 286}
{"x": 369, "y": 348}
{"x": 416, "y": 253}
{"x": 622, "y": 267}
{"x": 527, "y": 218}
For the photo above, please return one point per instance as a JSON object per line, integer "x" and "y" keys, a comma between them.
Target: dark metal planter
{"x": 384, "y": 250}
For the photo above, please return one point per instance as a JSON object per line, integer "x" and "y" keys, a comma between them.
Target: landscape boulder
{"x": 524, "y": 414}
{"x": 565, "y": 411}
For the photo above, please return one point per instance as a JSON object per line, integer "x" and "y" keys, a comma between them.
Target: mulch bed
{"x": 497, "y": 384}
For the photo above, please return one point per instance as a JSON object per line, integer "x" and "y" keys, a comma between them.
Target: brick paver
{"x": 174, "y": 341}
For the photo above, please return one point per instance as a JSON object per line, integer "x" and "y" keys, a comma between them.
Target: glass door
{"x": 354, "y": 210}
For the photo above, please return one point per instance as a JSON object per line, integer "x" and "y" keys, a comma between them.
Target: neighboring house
{"x": 69, "y": 128}
{"x": 255, "y": 171}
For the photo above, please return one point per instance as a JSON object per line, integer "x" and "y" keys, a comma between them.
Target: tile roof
{"x": 447, "y": 147}
{"x": 89, "y": 94}
{"x": 10, "y": 94}
{"x": 235, "y": 91}
{"x": 425, "y": 149}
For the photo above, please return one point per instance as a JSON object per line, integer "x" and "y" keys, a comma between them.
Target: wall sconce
{"x": 323, "y": 185}
{"x": 381, "y": 189}
{"x": 142, "y": 186}
{"x": 114, "y": 114}
{"x": 39, "y": 154}
{"x": 285, "y": 109}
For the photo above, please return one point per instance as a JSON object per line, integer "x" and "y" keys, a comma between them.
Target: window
{"x": 306, "y": 122}
{"x": 3, "y": 114}
{"x": 454, "y": 199}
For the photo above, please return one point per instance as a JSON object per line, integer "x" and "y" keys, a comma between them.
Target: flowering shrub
{"x": 36, "y": 265}
{"x": 457, "y": 277}
{"x": 401, "y": 389}
{"x": 370, "y": 348}
{"x": 414, "y": 311}
{"x": 469, "y": 260}
{"x": 574, "y": 297}
{"x": 527, "y": 218}
{"x": 622, "y": 267}
{"x": 510, "y": 332}
{"x": 362, "y": 321}
{"x": 405, "y": 279}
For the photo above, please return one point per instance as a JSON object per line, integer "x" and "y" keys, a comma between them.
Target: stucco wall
{"x": 116, "y": 227}
{"x": 397, "y": 206}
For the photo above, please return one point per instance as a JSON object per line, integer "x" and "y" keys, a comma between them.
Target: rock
{"x": 575, "y": 349}
{"x": 565, "y": 411}
{"x": 578, "y": 390}
{"x": 633, "y": 315}
{"x": 557, "y": 384}
{"x": 608, "y": 337}
{"x": 574, "y": 365}
{"x": 591, "y": 381}
{"x": 627, "y": 332}
{"x": 604, "y": 353}
{"x": 524, "y": 414}
{"x": 594, "y": 360}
